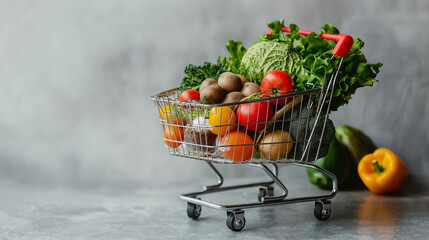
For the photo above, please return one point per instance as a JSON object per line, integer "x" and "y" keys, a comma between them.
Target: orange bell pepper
{"x": 382, "y": 171}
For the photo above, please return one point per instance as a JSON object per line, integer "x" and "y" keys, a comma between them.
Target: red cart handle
{"x": 344, "y": 42}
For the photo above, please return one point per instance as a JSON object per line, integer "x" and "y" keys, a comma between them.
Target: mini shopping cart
{"x": 187, "y": 134}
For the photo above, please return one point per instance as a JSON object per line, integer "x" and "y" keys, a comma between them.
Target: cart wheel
{"x": 235, "y": 221}
{"x": 262, "y": 193}
{"x": 268, "y": 191}
{"x": 194, "y": 211}
{"x": 322, "y": 210}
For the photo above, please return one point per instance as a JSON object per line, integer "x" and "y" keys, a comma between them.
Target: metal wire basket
{"x": 303, "y": 119}
{"x": 233, "y": 137}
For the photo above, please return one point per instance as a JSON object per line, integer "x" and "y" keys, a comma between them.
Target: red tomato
{"x": 237, "y": 146}
{"x": 276, "y": 83}
{"x": 249, "y": 114}
{"x": 189, "y": 94}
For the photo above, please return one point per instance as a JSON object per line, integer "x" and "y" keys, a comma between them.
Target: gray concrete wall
{"x": 76, "y": 76}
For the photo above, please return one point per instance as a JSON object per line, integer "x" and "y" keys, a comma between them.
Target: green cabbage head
{"x": 265, "y": 56}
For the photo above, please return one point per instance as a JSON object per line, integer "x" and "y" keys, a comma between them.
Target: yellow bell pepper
{"x": 382, "y": 171}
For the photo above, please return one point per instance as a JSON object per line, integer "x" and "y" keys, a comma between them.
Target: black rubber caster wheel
{"x": 320, "y": 212}
{"x": 234, "y": 223}
{"x": 263, "y": 192}
{"x": 194, "y": 211}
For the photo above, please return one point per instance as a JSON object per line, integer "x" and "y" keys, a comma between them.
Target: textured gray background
{"x": 76, "y": 76}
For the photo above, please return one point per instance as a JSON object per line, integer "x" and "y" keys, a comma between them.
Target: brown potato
{"x": 233, "y": 97}
{"x": 230, "y": 82}
{"x": 212, "y": 94}
{"x": 243, "y": 78}
{"x": 276, "y": 145}
{"x": 250, "y": 88}
{"x": 206, "y": 83}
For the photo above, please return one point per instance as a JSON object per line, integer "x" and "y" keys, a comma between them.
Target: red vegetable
{"x": 276, "y": 83}
{"x": 254, "y": 116}
{"x": 189, "y": 94}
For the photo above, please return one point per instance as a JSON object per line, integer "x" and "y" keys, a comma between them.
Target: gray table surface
{"x": 130, "y": 210}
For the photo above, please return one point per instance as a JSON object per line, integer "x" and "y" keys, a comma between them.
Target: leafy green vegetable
{"x": 232, "y": 63}
{"x": 268, "y": 53}
{"x": 195, "y": 75}
{"x": 306, "y": 58}
{"x": 309, "y": 73}
{"x": 265, "y": 56}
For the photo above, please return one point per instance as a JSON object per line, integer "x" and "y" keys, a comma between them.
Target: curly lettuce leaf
{"x": 277, "y": 33}
{"x": 195, "y": 75}
{"x": 328, "y": 28}
{"x": 237, "y": 51}
{"x": 310, "y": 72}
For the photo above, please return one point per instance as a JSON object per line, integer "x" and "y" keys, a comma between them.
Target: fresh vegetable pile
{"x": 305, "y": 58}
{"x": 275, "y": 65}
